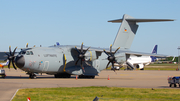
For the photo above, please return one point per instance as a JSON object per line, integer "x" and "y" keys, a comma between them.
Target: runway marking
{"x": 14, "y": 94}
{"x": 123, "y": 74}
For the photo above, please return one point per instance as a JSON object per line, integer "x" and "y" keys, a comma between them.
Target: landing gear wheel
{"x": 91, "y": 77}
{"x": 63, "y": 75}
{"x": 32, "y": 76}
{"x": 174, "y": 85}
{"x": 87, "y": 77}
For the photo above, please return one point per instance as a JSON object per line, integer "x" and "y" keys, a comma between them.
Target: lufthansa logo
{"x": 50, "y": 55}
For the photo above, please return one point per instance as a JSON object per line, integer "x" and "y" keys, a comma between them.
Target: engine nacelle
{"x": 90, "y": 55}
{"x": 140, "y": 66}
{"x": 120, "y": 57}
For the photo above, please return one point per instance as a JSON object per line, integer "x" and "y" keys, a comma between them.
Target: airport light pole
{"x": 178, "y": 57}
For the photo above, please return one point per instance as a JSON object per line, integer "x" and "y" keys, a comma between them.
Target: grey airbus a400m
{"x": 64, "y": 61}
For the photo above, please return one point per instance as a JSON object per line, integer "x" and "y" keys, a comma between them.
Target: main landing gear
{"x": 88, "y": 77}
{"x": 32, "y": 76}
{"x": 62, "y": 75}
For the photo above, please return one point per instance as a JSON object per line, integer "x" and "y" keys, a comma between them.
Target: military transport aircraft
{"x": 62, "y": 61}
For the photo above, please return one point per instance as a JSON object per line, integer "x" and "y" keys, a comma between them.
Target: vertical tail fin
{"x": 128, "y": 29}
{"x": 57, "y": 43}
{"x": 154, "y": 52}
{"x": 155, "y": 49}
{"x": 126, "y": 32}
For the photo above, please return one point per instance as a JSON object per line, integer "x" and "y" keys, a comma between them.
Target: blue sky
{"x": 71, "y": 22}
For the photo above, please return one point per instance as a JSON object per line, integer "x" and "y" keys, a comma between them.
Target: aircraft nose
{"x": 20, "y": 61}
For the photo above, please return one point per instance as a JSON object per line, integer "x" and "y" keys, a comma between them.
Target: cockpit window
{"x": 22, "y": 52}
{"x": 31, "y": 53}
{"x": 27, "y": 53}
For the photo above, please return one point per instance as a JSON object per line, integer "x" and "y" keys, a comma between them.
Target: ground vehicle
{"x": 2, "y": 73}
{"x": 173, "y": 81}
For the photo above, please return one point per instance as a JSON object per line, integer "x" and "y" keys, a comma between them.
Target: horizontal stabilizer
{"x": 140, "y": 20}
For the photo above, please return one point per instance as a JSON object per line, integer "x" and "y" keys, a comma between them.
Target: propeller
{"x": 11, "y": 57}
{"x": 81, "y": 55}
{"x": 111, "y": 57}
{"x": 27, "y": 45}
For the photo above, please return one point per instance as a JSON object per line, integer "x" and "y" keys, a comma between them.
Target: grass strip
{"x": 104, "y": 94}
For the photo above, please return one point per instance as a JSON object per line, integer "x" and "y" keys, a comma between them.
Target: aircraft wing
{"x": 94, "y": 49}
{"x": 127, "y": 52}
{"x": 144, "y": 54}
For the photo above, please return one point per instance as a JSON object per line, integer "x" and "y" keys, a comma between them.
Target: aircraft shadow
{"x": 38, "y": 77}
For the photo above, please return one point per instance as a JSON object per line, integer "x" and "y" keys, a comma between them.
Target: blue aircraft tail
{"x": 154, "y": 52}
{"x": 57, "y": 43}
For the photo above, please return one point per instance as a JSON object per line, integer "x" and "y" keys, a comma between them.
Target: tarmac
{"x": 17, "y": 79}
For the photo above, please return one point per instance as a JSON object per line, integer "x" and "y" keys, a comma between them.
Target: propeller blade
{"x": 27, "y": 45}
{"x": 117, "y": 50}
{"x": 77, "y": 50}
{"x": 118, "y": 63}
{"x": 86, "y": 50}
{"x": 113, "y": 66}
{"x": 77, "y": 61}
{"x": 82, "y": 48}
{"x": 106, "y": 52}
{"x": 10, "y": 50}
{"x": 108, "y": 64}
{"x": 87, "y": 63}
{"x": 9, "y": 64}
{"x": 82, "y": 64}
{"x": 110, "y": 49}
{"x": 13, "y": 65}
{"x": 14, "y": 51}
{"x": 81, "y": 61}
{"x": 6, "y": 53}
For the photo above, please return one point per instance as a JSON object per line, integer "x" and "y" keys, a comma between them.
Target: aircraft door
{"x": 46, "y": 66}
